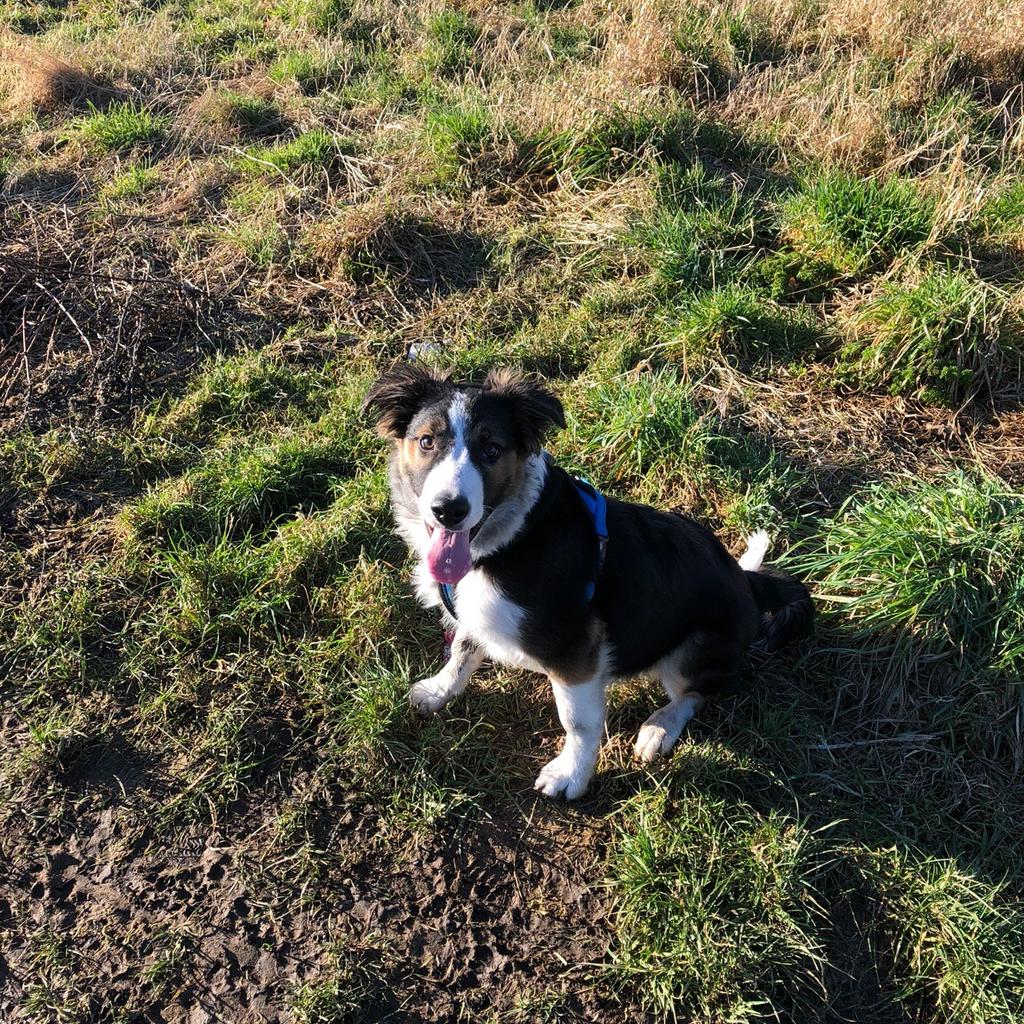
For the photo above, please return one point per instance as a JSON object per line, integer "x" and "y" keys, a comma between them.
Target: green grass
{"x": 451, "y": 37}
{"x": 928, "y": 573}
{"x": 858, "y": 224}
{"x": 956, "y": 938}
{"x": 702, "y": 230}
{"x": 136, "y": 181}
{"x": 769, "y": 260}
{"x": 121, "y": 126}
{"x": 312, "y": 72}
{"x": 312, "y": 151}
{"x": 653, "y": 437}
{"x": 684, "y": 943}
{"x": 252, "y": 115}
{"x": 943, "y": 335}
{"x": 740, "y": 324}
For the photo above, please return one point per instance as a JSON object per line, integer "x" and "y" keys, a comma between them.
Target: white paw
{"x": 430, "y": 695}
{"x": 652, "y": 742}
{"x": 564, "y": 776}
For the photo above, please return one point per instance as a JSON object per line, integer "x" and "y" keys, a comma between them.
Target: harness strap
{"x": 597, "y": 508}
{"x": 446, "y": 590}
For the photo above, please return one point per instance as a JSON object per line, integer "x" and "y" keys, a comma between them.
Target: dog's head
{"x": 459, "y": 451}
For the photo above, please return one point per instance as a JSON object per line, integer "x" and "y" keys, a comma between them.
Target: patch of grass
{"x": 262, "y": 240}
{"x": 739, "y": 324}
{"x": 317, "y": 149}
{"x": 251, "y": 115}
{"x": 858, "y": 224}
{"x": 136, "y": 181}
{"x": 717, "y": 914}
{"x": 458, "y": 134}
{"x": 616, "y": 141}
{"x": 352, "y": 989}
{"x": 250, "y": 484}
{"x": 650, "y": 438}
{"x": 319, "y": 16}
{"x": 312, "y": 72}
{"x": 702, "y": 229}
{"x": 223, "y": 28}
{"x": 122, "y": 125}
{"x": 451, "y": 35}
{"x": 956, "y": 938}
{"x": 930, "y": 572}
{"x": 1001, "y": 218}
{"x": 237, "y": 394}
{"x": 942, "y": 335}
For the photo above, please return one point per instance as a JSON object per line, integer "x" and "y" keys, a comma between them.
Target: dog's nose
{"x": 449, "y": 512}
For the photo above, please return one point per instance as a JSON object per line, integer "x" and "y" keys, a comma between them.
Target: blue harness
{"x": 597, "y": 509}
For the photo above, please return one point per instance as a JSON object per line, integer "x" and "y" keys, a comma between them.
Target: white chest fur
{"x": 492, "y": 620}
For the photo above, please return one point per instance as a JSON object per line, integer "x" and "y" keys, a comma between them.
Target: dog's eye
{"x": 492, "y": 450}
{"x": 426, "y": 443}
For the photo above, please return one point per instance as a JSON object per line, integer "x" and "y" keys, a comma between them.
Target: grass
{"x": 767, "y": 254}
{"x": 943, "y": 335}
{"x": 120, "y": 126}
{"x": 313, "y": 150}
{"x": 879, "y": 565}
{"x": 857, "y": 224}
{"x": 685, "y": 943}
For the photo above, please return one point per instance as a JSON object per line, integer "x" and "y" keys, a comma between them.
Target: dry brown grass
{"x": 40, "y": 82}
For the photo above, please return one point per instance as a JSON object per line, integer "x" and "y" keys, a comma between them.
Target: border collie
{"x": 509, "y": 547}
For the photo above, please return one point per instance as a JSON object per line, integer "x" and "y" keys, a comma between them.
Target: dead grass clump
{"x": 42, "y": 82}
{"x": 402, "y": 250}
{"x": 87, "y": 331}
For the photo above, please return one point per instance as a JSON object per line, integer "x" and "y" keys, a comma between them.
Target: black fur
{"x": 535, "y": 409}
{"x": 401, "y": 393}
{"x": 668, "y": 588}
{"x": 786, "y": 608}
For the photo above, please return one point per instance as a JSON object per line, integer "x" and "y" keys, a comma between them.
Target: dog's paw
{"x": 430, "y": 695}
{"x": 563, "y": 777}
{"x": 652, "y": 742}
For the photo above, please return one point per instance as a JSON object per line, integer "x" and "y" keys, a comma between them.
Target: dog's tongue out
{"x": 448, "y": 557}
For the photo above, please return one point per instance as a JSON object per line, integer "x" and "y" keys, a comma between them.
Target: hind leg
{"x": 702, "y": 666}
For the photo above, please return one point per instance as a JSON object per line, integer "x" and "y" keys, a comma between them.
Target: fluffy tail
{"x": 787, "y": 613}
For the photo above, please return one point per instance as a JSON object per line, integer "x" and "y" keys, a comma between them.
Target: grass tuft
{"x": 317, "y": 149}
{"x": 943, "y": 335}
{"x": 931, "y": 574}
{"x": 858, "y": 224}
{"x": 122, "y": 125}
{"x": 688, "y": 951}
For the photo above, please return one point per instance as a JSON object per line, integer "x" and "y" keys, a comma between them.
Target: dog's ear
{"x": 536, "y": 410}
{"x": 400, "y": 393}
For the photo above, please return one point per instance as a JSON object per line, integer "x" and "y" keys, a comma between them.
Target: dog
{"x": 536, "y": 570}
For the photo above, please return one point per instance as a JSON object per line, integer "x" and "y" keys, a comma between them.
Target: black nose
{"x": 450, "y": 511}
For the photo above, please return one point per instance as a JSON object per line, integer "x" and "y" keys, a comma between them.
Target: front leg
{"x": 430, "y": 695}
{"x": 581, "y": 712}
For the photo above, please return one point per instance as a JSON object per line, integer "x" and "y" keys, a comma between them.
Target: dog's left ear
{"x": 400, "y": 393}
{"x": 536, "y": 409}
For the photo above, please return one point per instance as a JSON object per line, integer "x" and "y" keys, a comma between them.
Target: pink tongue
{"x": 448, "y": 557}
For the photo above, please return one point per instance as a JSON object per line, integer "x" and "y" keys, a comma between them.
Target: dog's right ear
{"x": 400, "y": 393}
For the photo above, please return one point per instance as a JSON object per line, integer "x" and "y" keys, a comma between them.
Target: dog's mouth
{"x": 448, "y": 556}
{"x": 473, "y": 531}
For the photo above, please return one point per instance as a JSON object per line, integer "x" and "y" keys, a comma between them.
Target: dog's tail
{"x": 787, "y": 612}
